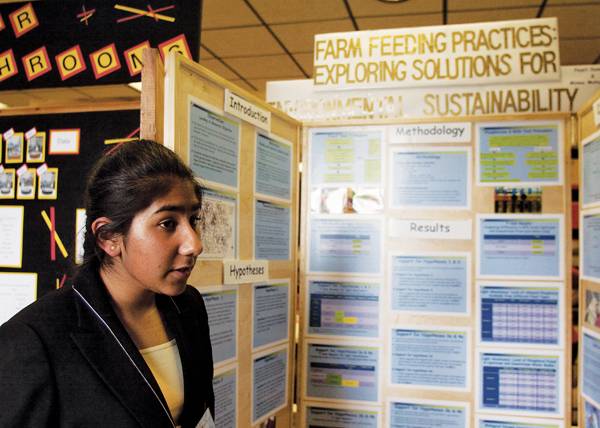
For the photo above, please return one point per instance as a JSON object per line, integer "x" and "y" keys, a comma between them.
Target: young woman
{"x": 127, "y": 345}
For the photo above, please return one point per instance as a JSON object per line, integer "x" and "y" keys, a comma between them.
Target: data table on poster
{"x": 520, "y": 382}
{"x": 520, "y": 315}
{"x": 343, "y": 308}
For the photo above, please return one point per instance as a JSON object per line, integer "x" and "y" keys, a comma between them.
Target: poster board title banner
{"x": 505, "y": 51}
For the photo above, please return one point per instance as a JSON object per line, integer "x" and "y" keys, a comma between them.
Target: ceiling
{"x": 253, "y": 41}
{"x": 250, "y": 42}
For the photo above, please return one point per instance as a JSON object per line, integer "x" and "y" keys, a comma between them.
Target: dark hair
{"x": 124, "y": 182}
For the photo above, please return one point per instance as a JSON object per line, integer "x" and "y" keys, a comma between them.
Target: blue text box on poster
{"x": 269, "y": 383}
{"x": 524, "y": 153}
{"x": 330, "y": 417}
{"x": 590, "y": 367}
{"x": 516, "y": 422}
{"x": 343, "y": 308}
{"x": 344, "y": 157}
{"x": 590, "y": 162}
{"x": 430, "y": 358}
{"x": 345, "y": 245}
{"x": 434, "y": 178}
{"x": 591, "y": 415}
{"x": 270, "y": 320}
{"x": 437, "y": 283}
{"x": 273, "y": 167}
{"x": 427, "y": 415}
{"x": 225, "y": 389}
{"x": 526, "y": 383}
{"x": 520, "y": 314}
{"x": 221, "y": 307}
{"x": 271, "y": 231}
{"x": 591, "y": 245}
{"x": 214, "y": 146}
{"x": 520, "y": 247}
{"x": 342, "y": 372}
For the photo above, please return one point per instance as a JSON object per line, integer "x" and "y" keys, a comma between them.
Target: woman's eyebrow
{"x": 178, "y": 208}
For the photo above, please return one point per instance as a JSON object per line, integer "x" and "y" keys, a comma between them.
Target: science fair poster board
{"x": 589, "y": 279}
{"x": 202, "y": 119}
{"x": 435, "y": 264}
{"x": 225, "y": 387}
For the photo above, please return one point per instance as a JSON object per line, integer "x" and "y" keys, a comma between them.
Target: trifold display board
{"x": 589, "y": 254}
{"x": 247, "y": 271}
{"x": 434, "y": 273}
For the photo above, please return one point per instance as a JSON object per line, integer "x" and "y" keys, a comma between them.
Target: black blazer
{"x": 63, "y": 366}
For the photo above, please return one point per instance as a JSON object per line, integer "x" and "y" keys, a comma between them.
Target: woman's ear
{"x": 110, "y": 244}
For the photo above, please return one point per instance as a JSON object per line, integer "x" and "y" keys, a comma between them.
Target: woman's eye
{"x": 168, "y": 224}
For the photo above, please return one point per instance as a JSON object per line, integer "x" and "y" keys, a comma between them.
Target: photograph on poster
{"x": 528, "y": 153}
{"x": 520, "y": 246}
{"x": 591, "y": 415}
{"x": 222, "y": 308}
{"x": 342, "y": 372}
{"x": 273, "y": 167}
{"x": 14, "y": 148}
{"x": 64, "y": 141}
{"x": 17, "y": 290}
{"x": 520, "y": 314}
{"x": 11, "y": 236}
{"x": 269, "y": 383}
{"x": 345, "y": 156}
{"x": 270, "y": 312}
{"x": 590, "y": 365}
{"x": 214, "y": 143}
{"x": 7, "y": 183}
{"x": 517, "y": 200}
{"x": 343, "y": 308}
{"x": 335, "y": 416}
{"x": 36, "y": 148}
{"x": 346, "y": 200}
{"x": 432, "y": 358}
{"x": 590, "y": 166}
{"x": 26, "y": 183}
{"x": 218, "y": 225}
{"x": 272, "y": 231}
{"x": 590, "y": 245}
{"x": 48, "y": 184}
{"x": 430, "y": 178}
{"x": 592, "y": 308}
{"x": 225, "y": 390}
{"x": 345, "y": 245}
{"x": 527, "y": 383}
{"x": 437, "y": 283}
{"x": 403, "y": 412}
{"x": 489, "y": 421}
{"x": 80, "y": 218}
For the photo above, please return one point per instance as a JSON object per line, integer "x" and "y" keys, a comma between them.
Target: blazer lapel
{"x": 110, "y": 351}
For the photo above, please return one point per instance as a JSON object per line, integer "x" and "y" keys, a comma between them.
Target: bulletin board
{"x": 435, "y": 272}
{"x": 45, "y": 157}
{"x": 589, "y": 274}
{"x": 249, "y": 214}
